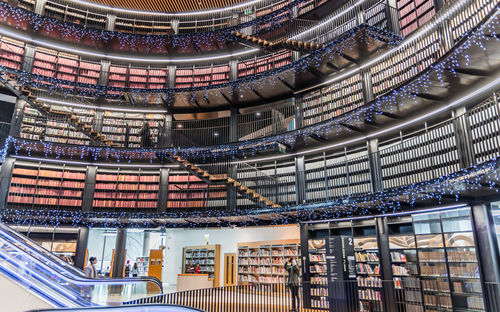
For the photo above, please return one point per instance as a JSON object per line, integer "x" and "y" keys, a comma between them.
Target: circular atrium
{"x": 250, "y": 155}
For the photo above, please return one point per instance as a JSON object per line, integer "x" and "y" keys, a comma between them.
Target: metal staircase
{"x": 295, "y": 45}
{"x": 223, "y": 178}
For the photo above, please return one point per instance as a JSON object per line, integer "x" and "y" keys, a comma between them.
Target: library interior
{"x": 250, "y": 155}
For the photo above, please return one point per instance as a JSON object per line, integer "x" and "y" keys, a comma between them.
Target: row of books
{"x": 363, "y": 268}
{"x": 50, "y": 183}
{"x": 186, "y": 204}
{"x": 48, "y": 201}
{"x": 45, "y": 192}
{"x": 124, "y": 204}
{"x": 320, "y": 302}
{"x": 436, "y": 300}
{"x": 369, "y": 281}
{"x": 127, "y": 178}
{"x": 316, "y": 257}
{"x": 366, "y": 256}
{"x": 369, "y": 294}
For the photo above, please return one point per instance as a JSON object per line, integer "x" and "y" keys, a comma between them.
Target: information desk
{"x": 193, "y": 281}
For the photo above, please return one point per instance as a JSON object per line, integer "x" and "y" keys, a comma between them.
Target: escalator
{"x": 59, "y": 284}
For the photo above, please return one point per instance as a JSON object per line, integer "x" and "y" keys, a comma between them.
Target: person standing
{"x": 127, "y": 269}
{"x": 90, "y": 270}
{"x": 135, "y": 270}
{"x": 293, "y": 281}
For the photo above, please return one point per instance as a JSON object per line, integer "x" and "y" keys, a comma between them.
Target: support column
{"x": 88, "y": 192}
{"x": 81, "y": 247}
{"x": 463, "y": 138}
{"x": 171, "y": 76}
{"x": 175, "y": 26}
{"x": 167, "y": 134}
{"x": 488, "y": 255}
{"x": 392, "y": 16}
{"x": 300, "y": 180}
{"x": 445, "y": 35}
{"x": 119, "y": 257}
{"x": 299, "y": 111}
{"x": 163, "y": 190}
{"x": 104, "y": 74}
{"x": 110, "y": 22}
{"x": 17, "y": 118}
{"x": 40, "y": 6}
{"x": 28, "y": 57}
{"x": 5, "y": 176}
{"x": 232, "y": 170}
{"x": 145, "y": 244}
{"x": 367, "y": 84}
{"x": 386, "y": 265}
{"x": 375, "y": 165}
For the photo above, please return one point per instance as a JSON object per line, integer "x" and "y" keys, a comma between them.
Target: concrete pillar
{"x": 175, "y": 26}
{"x": 171, "y": 76}
{"x": 392, "y": 16}
{"x": 40, "y": 6}
{"x": 119, "y": 256}
{"x": 145, "y": 244}
{"x": 17, "y": 118}
{"x": 104, "y": 74}
{"x": 28, "y": 58}
{"x": 81, "y": 247}
{"x": 375, "y": 165}
{"x": 487, "y": 254}
{"x": 300, "y": 180}
{"x": 463, "y": 137}
{"x": 88, "y": 192}
{"x": 110, "y": 22}
{"x": 5, "y": 175}
{"x": 163, "y": 190}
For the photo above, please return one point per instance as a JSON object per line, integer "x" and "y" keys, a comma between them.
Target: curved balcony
{"x": 159, "y": 23}
{"x": 339, "y": 117}
{"x": 413, "y": 168}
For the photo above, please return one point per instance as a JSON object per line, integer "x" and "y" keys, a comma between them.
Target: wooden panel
{"x": 171, "y": 6}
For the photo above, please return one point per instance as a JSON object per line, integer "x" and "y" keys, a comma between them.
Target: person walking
{"x": 135, "y": 270}
{"x": 293, "y": 281}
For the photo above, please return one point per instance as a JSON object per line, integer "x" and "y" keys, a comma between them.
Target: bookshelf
{"x": 188, "y": 191}
{"x": 126, "y": 189}
{"x": 201, "y": 76}
{"x": 126, "y": 127}
{"x": 261, "y": 65}
{"x": 448, "y": 261}
{"x": 39, "y": 186}
{"x": 368, "y": 275}
{"x": 318, "y": 272}
{"x": 142, "y": 265}
{"x": 11, "y": 53}
{"x": 413, "y": 14}
{"x": 207, "y": 256}
{"x": 405, "y": 267}
{"x": 333, "y": 101}
{"x": 263, "y": 262}
{"x": 37, "y": 127}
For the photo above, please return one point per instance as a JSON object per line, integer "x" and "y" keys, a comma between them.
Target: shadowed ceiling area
{"x": 170, "y": 6}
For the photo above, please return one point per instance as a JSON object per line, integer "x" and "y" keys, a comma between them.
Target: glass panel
{"x": 402, "y": 242}
{"x": 457, "y": 220}
{"x": 459, "y": 239}
{"x": 430, "y": 241}
{"x": 427, "y": 223}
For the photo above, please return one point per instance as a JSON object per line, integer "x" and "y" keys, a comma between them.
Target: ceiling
{"x": 170, "y": 6}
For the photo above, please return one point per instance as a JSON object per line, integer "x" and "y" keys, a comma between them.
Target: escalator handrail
{"x": 147, "y": 307}
{"x": 76, "y": 277}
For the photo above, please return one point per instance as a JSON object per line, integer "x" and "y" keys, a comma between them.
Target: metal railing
{"x": 338, "y": 296}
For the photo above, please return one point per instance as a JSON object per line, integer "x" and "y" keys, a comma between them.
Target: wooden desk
{"x": 193, "y": 281}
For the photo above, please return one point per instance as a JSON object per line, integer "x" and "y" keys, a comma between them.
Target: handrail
{"x": 82, "y": 279}
{"x": 128, "y": 308}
